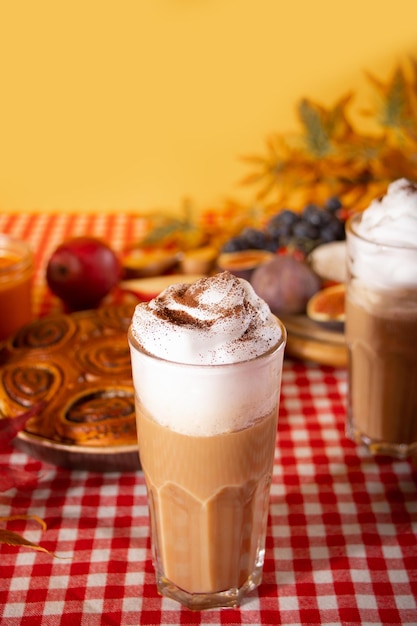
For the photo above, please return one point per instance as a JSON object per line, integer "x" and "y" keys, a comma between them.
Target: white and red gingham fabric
{"x": 342, "y": 531}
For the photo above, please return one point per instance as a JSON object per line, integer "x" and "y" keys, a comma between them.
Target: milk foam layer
{"x": 214, "y": 320}
{"x": 392, "y": 219}
{"x": 390, "y": 222}
{"x": 210, "y": 394}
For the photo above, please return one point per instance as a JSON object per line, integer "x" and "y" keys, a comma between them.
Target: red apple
{"x": 82, "y": 271}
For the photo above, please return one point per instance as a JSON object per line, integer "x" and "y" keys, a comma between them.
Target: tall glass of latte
{"x": 207, "y": 362}
{"x": 381, "y": 323}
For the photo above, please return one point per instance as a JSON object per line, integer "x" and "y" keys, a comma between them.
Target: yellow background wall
{"x": 136, "y": 104}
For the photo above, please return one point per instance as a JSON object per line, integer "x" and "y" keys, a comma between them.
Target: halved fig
{"x": 328, "y": 305}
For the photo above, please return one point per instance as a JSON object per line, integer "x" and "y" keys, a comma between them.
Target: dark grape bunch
{"x": 301, "y": 231}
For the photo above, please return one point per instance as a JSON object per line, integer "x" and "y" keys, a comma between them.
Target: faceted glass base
{"x": 375, "y": 446}
{"x": 200, "y": 601}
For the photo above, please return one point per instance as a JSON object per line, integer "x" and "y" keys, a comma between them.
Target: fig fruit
{"x": 82, "y": 271}
{"x": 286, "y": 284}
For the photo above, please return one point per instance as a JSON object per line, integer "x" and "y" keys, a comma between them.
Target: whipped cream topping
{"x": 391, "y": 223}
{"x": 207, "y": 380}
{"x": 212, "y": 321}
{"x": 392, "y": 219}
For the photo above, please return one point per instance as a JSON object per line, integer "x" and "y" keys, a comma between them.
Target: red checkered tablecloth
{"x": 342, "y": 530}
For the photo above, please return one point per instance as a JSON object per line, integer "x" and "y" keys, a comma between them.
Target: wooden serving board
{"x": 312, "y": 341}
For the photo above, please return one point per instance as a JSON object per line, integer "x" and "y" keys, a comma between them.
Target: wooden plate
{"x": 78, "y": 366}
{"x": 312, "y": 341}
{"x": 103, "y": 459}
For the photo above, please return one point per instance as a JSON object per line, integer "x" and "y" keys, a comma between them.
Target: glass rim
{"x": 17, "y": 247}
{"x": 352, "y": 222}
{"x": 274, "y": 348}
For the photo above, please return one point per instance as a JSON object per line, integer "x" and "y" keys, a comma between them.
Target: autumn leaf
{"x": 36, "y": 518}
{"x": 325, "y": 131}
{"x": 331, "y": 157}
{"x": 395, "y": 110}
{"x": 11, "y": 538}
{"x": 11, "y": 476}
{"x": 11, "y": 426}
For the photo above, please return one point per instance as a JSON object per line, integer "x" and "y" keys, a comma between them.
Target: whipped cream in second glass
{"x": 392, "y": 219}
{"x": 391, "y": 222}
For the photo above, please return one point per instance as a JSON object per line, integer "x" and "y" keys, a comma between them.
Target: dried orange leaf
{"x": 13, "y": 539}
{"x": 35, "y": 518}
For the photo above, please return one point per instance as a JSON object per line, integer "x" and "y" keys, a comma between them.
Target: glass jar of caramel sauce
{"x": 16, "y": 272}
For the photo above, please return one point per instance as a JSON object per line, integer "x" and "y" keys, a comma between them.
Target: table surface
{"x": 342, "y": 530}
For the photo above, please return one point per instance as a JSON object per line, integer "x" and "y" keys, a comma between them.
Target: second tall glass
{"x": 381, "y": 334}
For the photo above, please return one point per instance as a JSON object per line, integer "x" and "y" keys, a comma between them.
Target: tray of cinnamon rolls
{"x": 75, "y": 366}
